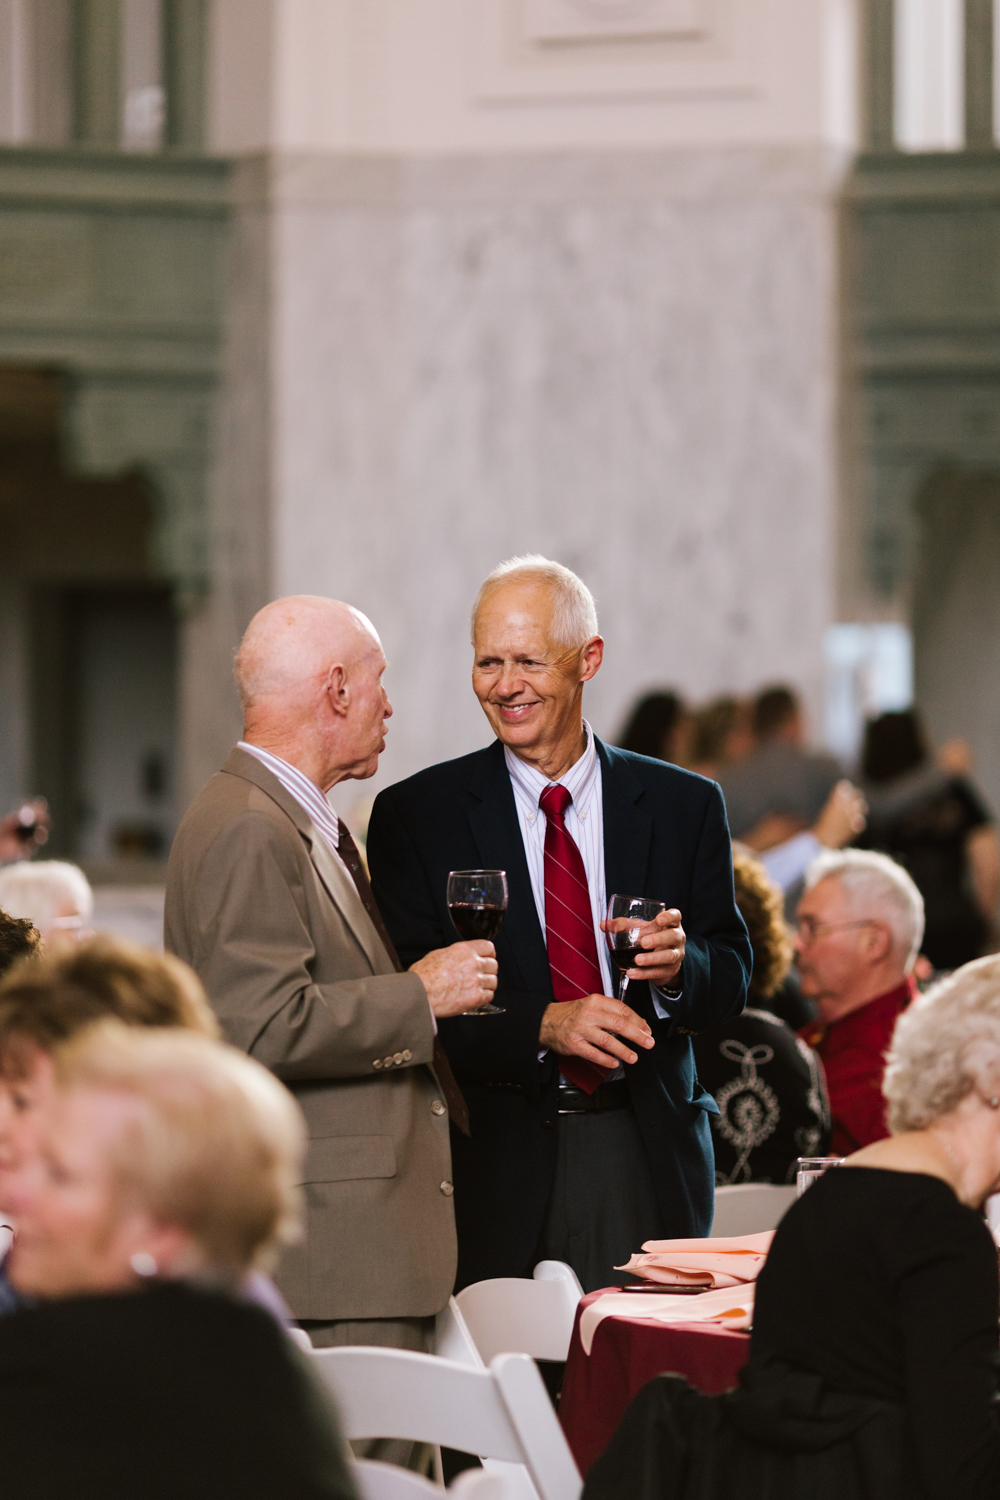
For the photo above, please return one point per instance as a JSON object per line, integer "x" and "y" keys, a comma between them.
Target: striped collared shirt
{"x": 584, "y": 824}
{"x": 306, "y": 793}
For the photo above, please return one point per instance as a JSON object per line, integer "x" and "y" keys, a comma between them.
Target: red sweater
{"x": 853, "y": 1053}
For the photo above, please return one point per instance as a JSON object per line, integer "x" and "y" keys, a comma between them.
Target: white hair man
{"x": 55, "y": 895}
{"x": 590, "y": 1132}
{"x": 859, "y": 927}
{"x": 269, "y": 903}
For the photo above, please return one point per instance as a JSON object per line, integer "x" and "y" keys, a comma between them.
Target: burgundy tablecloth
{"x": 627, "y": 1352}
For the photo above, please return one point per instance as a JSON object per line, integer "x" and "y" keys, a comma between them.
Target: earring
{"x": 144, "y": 1264}
{"x": 994, "y": 1103}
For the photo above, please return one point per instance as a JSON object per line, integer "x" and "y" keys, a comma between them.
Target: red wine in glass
{"x": 476, "y": 920}
{"x": 477, "y": 901}
{"x": 629, "y": 919}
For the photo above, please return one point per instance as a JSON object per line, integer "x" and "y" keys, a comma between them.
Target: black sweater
{"x": 166, "y": 1393}
{"x": 887, "y": 1286}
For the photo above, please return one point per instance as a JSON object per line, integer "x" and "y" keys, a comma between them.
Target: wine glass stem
{"x": 624, "y": 986}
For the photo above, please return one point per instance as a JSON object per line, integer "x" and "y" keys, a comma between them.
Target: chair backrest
{"x": 513, "y": 1315}
{"x": 503, "y": 1412}
{"x": 453, "y": 1338}
{"x": 750, "y": 1207}
{"x": 378, "y": 1481}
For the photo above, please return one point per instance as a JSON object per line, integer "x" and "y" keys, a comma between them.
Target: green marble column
{"x": 97, "y": 30}
{"x": 979, "y": 130}
{"x": 184, "y": 27}
{"x": 877, "y": 75}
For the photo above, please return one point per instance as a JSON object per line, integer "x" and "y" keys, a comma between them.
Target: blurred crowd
{"x": 799, "y": 1072}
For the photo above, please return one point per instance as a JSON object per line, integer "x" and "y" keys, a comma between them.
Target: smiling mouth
{"x": 514, "y": 712}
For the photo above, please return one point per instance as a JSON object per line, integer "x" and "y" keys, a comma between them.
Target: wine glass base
{"x": 485, "y": 1010}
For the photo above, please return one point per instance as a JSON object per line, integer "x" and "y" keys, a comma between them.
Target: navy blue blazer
{"x": 665, "y": 836}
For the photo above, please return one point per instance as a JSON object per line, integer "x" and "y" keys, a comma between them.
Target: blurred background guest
{"x": 722, "y": 735}
{"x": 929, "y": 816}
{"x": 18, "y": 939}
{"x": 767, "y": 1083}
{"x": 24, "y": 831}
{"x": 171, "y": 1164}
{"x": 53, "y": 894}
{"x": 779, "y": 776}
{"x": 859, "y": 927}
{"x": 44, "y": 1004}
{"x": 659, "y": 726}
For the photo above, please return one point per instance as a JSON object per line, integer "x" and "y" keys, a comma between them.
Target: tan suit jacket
{"x": 272, "y": 923}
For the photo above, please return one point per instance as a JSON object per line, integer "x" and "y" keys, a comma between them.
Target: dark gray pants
{"x": 603, "y": 1204}
{"x": 384, "y": 1333}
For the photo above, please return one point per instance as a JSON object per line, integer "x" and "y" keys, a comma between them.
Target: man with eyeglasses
{"x": 858, "y": 931}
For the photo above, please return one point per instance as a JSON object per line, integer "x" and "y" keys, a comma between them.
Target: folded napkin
{"x": 731, "y": 1261}
{"x": 728, "y": 1309}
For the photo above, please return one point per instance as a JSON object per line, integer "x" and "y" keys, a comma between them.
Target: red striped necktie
{"x": 569, "y": 926}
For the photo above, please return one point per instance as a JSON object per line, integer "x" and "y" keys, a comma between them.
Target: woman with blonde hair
{"x": 167, "y": 1170}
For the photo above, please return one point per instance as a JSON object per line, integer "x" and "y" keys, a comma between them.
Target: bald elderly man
{"x": 268, "y": 902}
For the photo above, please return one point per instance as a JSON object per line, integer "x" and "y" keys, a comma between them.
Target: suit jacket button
{"x": 438, "y": 1107}
{"x": 447, "y": 1189}
{"x": 397, "y": 1058}
{"x": 377, "y": 1063}
{"x": 407, "y": 1055}
{"x": 548, "y": 1124}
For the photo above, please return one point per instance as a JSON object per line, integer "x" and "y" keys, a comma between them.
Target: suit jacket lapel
{"x": 334, "y": 876}
{"x": 497, "y": 833}
{"x": 628, "y": 828}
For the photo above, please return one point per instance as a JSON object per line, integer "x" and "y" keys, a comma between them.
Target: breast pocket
{"x": 341, "y": 1158}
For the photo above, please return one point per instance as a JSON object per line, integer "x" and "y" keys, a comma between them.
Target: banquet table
{"x": 628, "y": 1351}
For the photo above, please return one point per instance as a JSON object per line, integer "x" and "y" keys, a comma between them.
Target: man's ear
{"x": 338, "y": 690}
{"x": 878, "y": 941}
{"x": 591, "y": 657}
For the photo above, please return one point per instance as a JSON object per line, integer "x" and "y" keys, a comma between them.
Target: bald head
{"x": 291, "y": 644}
{"x": 309, "y": 674}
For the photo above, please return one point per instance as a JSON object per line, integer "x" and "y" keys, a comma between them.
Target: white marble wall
{"x": 625, "y": 360}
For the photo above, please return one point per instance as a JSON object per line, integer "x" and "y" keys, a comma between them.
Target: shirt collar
{"x": 580, "y": 780}
{"x": 306, "y": 793}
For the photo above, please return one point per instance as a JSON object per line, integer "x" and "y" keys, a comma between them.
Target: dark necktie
{"x": 569, "y": 926}
{"x": 458, "y": 1110}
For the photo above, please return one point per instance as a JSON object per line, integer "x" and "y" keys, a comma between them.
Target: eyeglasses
{"x": 810, "y": 928}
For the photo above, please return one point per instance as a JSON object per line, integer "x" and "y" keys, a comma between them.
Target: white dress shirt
{"x": 585, "y": 825}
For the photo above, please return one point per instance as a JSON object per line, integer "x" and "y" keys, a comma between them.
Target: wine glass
{"x": 629, "y": 919}
{"x": 477, "y": 901}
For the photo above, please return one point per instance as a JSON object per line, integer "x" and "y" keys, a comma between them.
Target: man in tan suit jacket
{"x": 267, "y": 903}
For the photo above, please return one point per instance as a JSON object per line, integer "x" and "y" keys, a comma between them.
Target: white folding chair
{"x": 513, "y": 1315}
{"x": 750, "y": 1208}
{"x": 300, "y": 1337}
{"x": 377, "y": 1481}
{"x": 500, "y": 1413}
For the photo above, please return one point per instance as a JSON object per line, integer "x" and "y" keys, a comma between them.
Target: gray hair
{"x": 944, "y": 1046}
{"x": 574, "y": 617}
{"x": 875, "y": 886}
{"x": 37, "y": 890}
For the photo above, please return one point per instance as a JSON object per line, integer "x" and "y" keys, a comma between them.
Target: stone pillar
{"x": 184, "y": 30}
{"x": 97, "y": 30}
{"x": 979, "y": 129}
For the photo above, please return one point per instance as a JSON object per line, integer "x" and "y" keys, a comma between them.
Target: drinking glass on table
{"x": 630, "y": 918}
{"x": 477, "y": 901}
{"x": 811, "y": 1169}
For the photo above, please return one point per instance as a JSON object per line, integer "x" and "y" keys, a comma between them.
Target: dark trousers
{"x": 603, "y": 1203}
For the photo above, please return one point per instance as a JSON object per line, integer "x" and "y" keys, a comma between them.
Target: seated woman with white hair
{"x": 53, "y": 894}
{"x": 875, "y": 1348}
{"x": 167, "y": 1170}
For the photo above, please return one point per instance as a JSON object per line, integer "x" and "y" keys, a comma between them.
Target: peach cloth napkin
{"x": 726, "y": 1306}
{"x": 722, "y": 1262}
